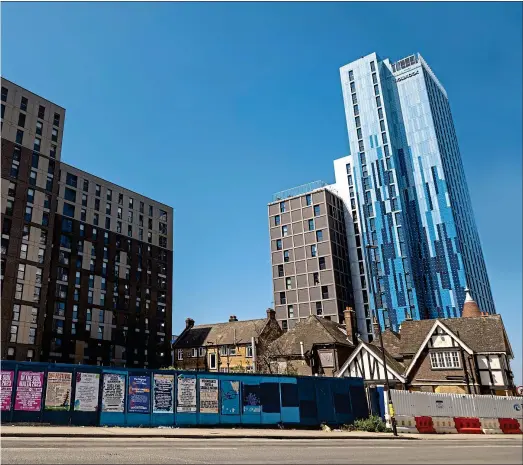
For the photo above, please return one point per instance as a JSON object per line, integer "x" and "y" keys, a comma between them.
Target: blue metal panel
{"x": 230, "y": 400}
{"x": 307, "y": 399}
{"x": 207, "y": 417}
{"x": 340, "y": 388}
{"x": 270, "y": 400}
{"x": 113, "y": 418}
{"x": 143, "y": 417}
{"x": 59, "y": 417}
{"x": 290, "y": 400}
{"x": 324, "y": 401}
{"x": 164, "y": 416}
{"x": 250, "y": 400}
{"x": 183, "y": 416}
{"x": 20, "y": 416}
{"x": 83, "y": 418}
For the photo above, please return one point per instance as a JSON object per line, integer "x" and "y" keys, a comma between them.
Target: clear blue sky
{"x": 213, "y": 107}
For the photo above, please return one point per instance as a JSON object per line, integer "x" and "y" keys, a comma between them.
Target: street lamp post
{"x": 383, "y": 358}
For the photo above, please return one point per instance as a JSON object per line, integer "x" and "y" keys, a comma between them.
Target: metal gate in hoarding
{"x": 87, "y": 395}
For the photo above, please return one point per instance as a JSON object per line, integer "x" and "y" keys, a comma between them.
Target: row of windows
{"x": 23, "y": 106}
{"x": 224, "y": 351}
{"x": 72, "y": 180}
{"x": 37, "y": 142}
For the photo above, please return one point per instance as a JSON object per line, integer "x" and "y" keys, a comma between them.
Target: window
{"x": 286, "y": 257}
{"x": 37, "y": 144}
{"x": 150, "y": 210}
{"x": 4, "y": 94}
{"x": 28, "y": 214}
{"x": 319, "y": 235}
{"x": 30, "y": 195}
{"x": 16, "y": 312}
{"x": 13, "y": 333}
{"x": 288, "y": 283}
{"x": 378, "y": 101}
{"x": 98, "y": 190}
{"x": 14, "y": 170}
{"x": 283, "y": 207}
{"x": 285, "y": 231}
{"x": 317, "y": 211}
{"x": 316, "y": 278}
{"x": 130, "y": 233}
{"x": 107, "y": 222}
{"x": 19, "y": 291}
{"x": 52, "y": 151}
{"x": 280, "y": 271}
{"x": 308, "y": 199}
{"x": 56, "y": 119}
{"x": 71, "y": 180}
{"x": 19, "y": 136}
{"x": 311, "y": 225}
{"x": 131, "y": 206}
{"x": 290, "y": 311}
{"x": 212, "y": 361}
{"x": 70, "y": 195}
{"x": 324, "y": 292}
{"x": 376, "y": 90}
{"x": 321, "y": 262}
{"x": 446, "y": 359}
{"x": 277, "y": 220}
{"x": 41, "y": 112}
{"x": 278, "y": 244}
{"x": 32, "y": 178}
{"x": 45, "y": 219}
{"x": 284, "y": 325}
{"x": 21, "y": 120}
{"x": 49, "y": 183}
{"x": 21, "y": 271}
{"x": 313, "y": 250}
{"x": 3, "y": 110}
{"x": 68, "y": 210}
{"x": 107, "y": 208}
{"x": 319, "y": 309}
{"x": 283, "y": 299}
{"x": 47, "y": 201}
{"x": 248, "y": 351}
{"x": 23, "y": 103}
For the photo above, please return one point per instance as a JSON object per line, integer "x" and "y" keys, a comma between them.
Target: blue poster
{"x": 139, "y": 397}
{"x": 230, "y": 395}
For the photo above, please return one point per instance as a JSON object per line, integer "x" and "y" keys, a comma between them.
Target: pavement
{"x": 93, "y": 432}
{"x": 230, "y": 450}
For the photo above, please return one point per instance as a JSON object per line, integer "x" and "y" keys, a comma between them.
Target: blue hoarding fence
{"x": 87, "y": 395}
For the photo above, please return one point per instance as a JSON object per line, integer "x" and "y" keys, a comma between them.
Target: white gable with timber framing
{"x": 365, "y": 363}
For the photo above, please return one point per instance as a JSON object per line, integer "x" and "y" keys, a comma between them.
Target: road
{"x": 213, "y": 451}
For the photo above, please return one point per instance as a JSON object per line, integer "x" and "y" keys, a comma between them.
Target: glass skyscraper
{"x": 413, "y": 222}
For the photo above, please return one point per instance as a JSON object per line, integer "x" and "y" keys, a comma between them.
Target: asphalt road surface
{"x": 230, "y": 451}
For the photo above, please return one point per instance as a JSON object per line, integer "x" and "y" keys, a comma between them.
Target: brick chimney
{"x": 350, "y": 325}
{"x": 189, "y": 323}
{"x": 271, "y": 314}
{"x": 470, "y": 307}
{"x": 233, "y": 318}
{"x": 376, "y": 328}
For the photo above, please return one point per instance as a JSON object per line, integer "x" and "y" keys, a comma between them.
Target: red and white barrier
{"x": 461, "y": 425}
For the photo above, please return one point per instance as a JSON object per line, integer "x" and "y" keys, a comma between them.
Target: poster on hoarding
{"x": 86, "y": 392}
{"x": 58, "y": 391}
{"x": 208, "y": 395}
{"x": 139, "y": 394}
{"x": 113, "y": 396}
{"x": 6, "y": 388}
{"x": 163, "y": 393}
{"x": 29, "y": 388}
{"x": 251, "y": 398}
{"x": 186, "y": 398}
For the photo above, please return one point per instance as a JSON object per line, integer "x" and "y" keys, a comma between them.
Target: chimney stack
{"x": 271, "y": 314}
{"x": 470, "y": 307}
{"x": 376, "y": 328}
{"x": 408, "y": 317}
{"x": 189, "y": 323}
{"x": 233, "y": 318}
{"x": 350, "y": 325}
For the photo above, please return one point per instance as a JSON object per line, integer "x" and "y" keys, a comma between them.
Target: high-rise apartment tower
{"x": 86, "y": 264}
{"x": 418, "y": 243}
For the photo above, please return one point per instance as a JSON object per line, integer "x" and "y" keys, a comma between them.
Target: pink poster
{"x": 6, "y": 388}
{"x": 29, "y": 391}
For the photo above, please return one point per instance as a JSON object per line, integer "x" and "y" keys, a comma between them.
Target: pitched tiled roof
{"x": 313, "y": 330}
{"x": 481, "y": 334}
{"x": 394, "y": 364}
{"x": 239, "y": 332}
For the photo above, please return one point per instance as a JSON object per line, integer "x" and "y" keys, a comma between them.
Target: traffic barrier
{"x": 490, "y": 426}
{"x": 424, "y": 425}
{"x": 468, "y": 425}
{"x": 509, "y": 426}
{"x": 406, "y": 424}
{"x": 444, "y": 425}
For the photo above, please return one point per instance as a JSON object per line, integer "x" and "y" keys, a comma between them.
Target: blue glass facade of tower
{"x": 413, "y": 202}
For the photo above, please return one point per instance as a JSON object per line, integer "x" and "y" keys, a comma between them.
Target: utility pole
{"x": 383, "y": 358}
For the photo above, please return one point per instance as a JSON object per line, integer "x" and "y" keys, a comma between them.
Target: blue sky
{"x": 215, "y": 106}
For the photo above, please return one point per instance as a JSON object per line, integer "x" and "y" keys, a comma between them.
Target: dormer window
{"x": 447, "y": 359}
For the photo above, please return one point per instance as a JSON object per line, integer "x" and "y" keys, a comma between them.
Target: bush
{"x": 373, "y": 424}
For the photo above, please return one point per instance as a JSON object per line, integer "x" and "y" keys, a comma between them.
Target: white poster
{"x": 186, "y": 395}
{"x": 113, "y": 397}
{"x": 86, "y": 392}
{"x": 208, "y": 395}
